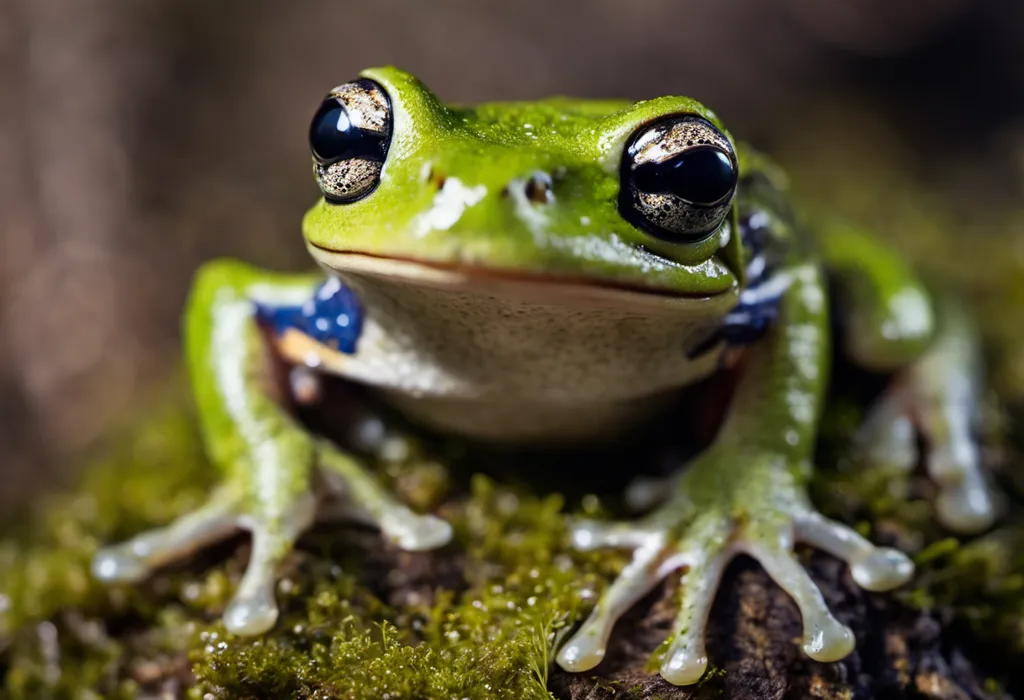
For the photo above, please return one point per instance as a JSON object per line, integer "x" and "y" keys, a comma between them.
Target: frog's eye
{"x": 678, "y": 179}
{"x": 349, "y": 137}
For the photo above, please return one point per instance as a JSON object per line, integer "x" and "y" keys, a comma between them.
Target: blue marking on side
{"x": 332, "y": 316}
{"x": 755, "y": 234}
{"x": 754, "y": 315}
{"x": 756, "y": 312}
{"x": 758, "y": 307}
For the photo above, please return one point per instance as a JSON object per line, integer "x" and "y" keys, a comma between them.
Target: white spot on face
{"x": 585, "y": 220}
{"x": 449, "y": 204}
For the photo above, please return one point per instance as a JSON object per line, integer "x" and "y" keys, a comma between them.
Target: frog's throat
{"x": 445, "y": 275}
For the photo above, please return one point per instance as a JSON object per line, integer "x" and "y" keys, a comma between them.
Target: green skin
{"x": 448, "y": 217}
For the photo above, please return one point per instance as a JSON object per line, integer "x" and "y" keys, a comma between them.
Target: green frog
{"x": 556, "y": 273}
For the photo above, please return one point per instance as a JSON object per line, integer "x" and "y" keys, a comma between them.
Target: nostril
{"x": 538, "y": 188}
{"x": 433, "y": 176}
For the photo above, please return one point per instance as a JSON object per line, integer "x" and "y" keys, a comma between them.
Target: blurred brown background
{"x": 140, "y": 138}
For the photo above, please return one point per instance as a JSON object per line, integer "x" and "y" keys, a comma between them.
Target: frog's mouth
{"x": 547, "y": 286}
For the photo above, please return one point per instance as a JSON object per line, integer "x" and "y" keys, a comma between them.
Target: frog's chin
{"x": 509, "y": 282}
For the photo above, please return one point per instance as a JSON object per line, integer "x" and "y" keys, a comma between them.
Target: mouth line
{"x": 502, "y": 274}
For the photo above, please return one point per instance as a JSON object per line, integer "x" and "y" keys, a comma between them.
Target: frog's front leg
{"x": 746, "y": 494}
{"x": 269, "y": 460}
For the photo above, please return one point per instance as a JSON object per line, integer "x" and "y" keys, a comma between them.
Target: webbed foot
{"x": 252, "y": 609}
{"x": 275, "y": 521}
{"x": 728, "y": 503}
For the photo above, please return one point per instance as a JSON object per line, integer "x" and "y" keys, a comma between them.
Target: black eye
{"x": 678, "y": 179}
{"x": 349, "y": 137}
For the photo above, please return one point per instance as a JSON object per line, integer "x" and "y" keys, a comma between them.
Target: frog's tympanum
{"x": 556, "y": 272}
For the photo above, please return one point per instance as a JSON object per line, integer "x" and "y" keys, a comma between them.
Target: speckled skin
{"x": 502, "y": 295}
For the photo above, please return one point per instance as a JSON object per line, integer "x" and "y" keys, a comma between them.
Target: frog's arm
{"x": 228, "y": 359}
{"x": 746, "y": 494}
{"x": 888, "y": 315}
{"x": 267, "y": 457}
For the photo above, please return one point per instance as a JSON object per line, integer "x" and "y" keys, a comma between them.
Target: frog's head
{"x": 624, "y": 201}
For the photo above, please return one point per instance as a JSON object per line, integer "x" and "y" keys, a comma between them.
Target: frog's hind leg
{"x": 938, "y": 396}
{"x": 892, "y": 324}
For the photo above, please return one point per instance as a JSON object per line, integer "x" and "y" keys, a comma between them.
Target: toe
{"x": 882, "y": 570}
{"x": 118, "y": 565}
{"x": 251, "y": 615}
{"x": 586, "y": 648}
{"x": 873, "y": 568}
{"x": 134, "y": 560}
{"x": 825, "y": 638}
{"x": 966, "y": 507}
{"x": 645, "y": 492}
{"x": 587, "y": 535}
{"x": 415, "y": 533}
{"x": 686, "y": 659}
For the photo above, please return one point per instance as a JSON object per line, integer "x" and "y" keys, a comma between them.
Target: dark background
{"x": 140, "y": 138}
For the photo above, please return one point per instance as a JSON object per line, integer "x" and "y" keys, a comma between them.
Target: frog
{"x": 555, "y": 272}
